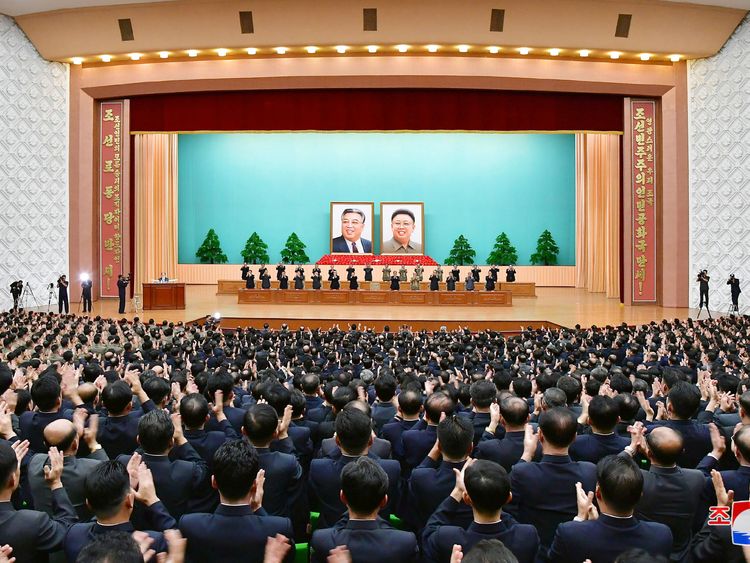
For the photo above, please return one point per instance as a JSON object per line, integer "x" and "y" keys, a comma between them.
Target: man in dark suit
{"x": 122, "y": 283}
{"x": 47, "y": 396}
{"x": 118, "y": 431}
{"x": 279, "y": 398}
{"x": 112, "y": 497}
{"x": 239, "y": 527}
{"x": 434, "y": 479}
{"x": 603, "y": 415}
{"x": 178, "y": 470}
{"x": 194, "y": 412}
{"x": 485, "y": 487}
{"x": 62, "y": 294}
{"x": 483, "y": 395}
{"x": 418, "y": 442}
{"x": 354, "y": 437}
{"x": 352, "y": 226}
{"x": 364, "y": 490}
{"x": 737, "y": 480}
{"x": 311, "y": 389}
{"x": 513, "y": 414}
{"x": 409, "y": 407}
{"x": 547, "y": 506}
{"x": 383, "y": 409}
{"x": 32, "y": 534}
{"x": 223, "y": 382}
{"x": 284, "y": 483}
{"x": 86, "y": 286}
{"x": 615, "y": 529}
{"x": 64, "y": 436}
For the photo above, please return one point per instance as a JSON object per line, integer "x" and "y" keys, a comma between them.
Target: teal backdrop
{"x": 475, "y": 184}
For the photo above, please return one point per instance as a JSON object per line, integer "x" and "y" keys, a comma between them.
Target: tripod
{"x": 25, "y": 296}
{"x": 50, "y": 297}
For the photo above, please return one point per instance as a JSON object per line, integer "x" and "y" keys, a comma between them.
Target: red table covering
{"x": 375, "y": 260}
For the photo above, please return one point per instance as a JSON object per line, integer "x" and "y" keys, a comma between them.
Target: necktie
{"x": 354, "y": 248}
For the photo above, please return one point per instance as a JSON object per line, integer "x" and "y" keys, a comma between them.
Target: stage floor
{"x": 562, "y": 306}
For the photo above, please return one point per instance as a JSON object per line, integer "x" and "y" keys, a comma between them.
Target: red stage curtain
{"x": 376, "y": 110}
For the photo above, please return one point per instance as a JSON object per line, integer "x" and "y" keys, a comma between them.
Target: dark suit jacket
{"x": 339, "y": 245}
{"x": 235, "y": 417}
{"x": 480, "y": 421}
{"x": 117, "y": 434}
{"x": 553, "y": 503}
{"x": 429, "y": 485}
{"x": 33, "y": 534}
{"x": 81, "y": 534}
{"x": 505, "y": 452}
{"x": 177, "y": 477}
{"x": 369, "y": 541}
{"x": 697, "y": 440}
{"x": 325, "y": 485}
{"x": 33, "y": 424}
{"x": 441, "y": 534}
{"x": 205, "y": 443}
{"x": 380, "y": 447}
{"x": 672, "y": 496}
{"x": 232, "y": 533}
{"x": 602, "y": 540}
{"x": 417, "y": 444}
{"x": 284, "y": 482}
{"x": 303, "y": 444}
{"x": 382, "y": 413}
{"x": 593, "y": 447}
{"x": 714, "y": 543}
{"x": 321, "y": 414}
{"x": 312, "y": 403}
{"x": 393, "y": 432}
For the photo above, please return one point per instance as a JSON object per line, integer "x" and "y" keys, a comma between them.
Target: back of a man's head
{"x": 603, "y": 413}
{"x": 665, "y": 446}
{"x": 342, "y": 396}
{"x": 116, "y": 397}
{"x": 8, "y": 464}
{"x": 106, "y": 487}
{"x": 45, "y": 392}
{"x": 113, "y": 547}
{"x": 260, "y": 424}
{"x": 221, "y": 381}
{"x": 353, "y": 431}
{"x": 235, "y": 467}
{"x": 157, "y": 389}
{"x": 515, "y": 411}
{"x": 385, "y": 387}
{"x": 456, "y": 436}
{"x": 571, "y": 387}
{"x": 60, "y": 433}
{"x": 558, "y": 426}
{"x": 483, "y": 393}
{"x": 194, "y": 410}
{"x": 488, "y": 486}
{"x": 310, "y": 384}
{"x": 684, "y": 399}
{"x": 277, "y": 396}
{"x": 628, "y": 406}
{"x": 155, "y": 432}
{"x": 620, "y": 483}
{"x": 364, "y": 484}
{"x": 437, "y": 404}
{"x": 553, "y": 398}
{"x": 741, "y": 440}
{"x": 489, "y": 551}
{"x": 410, "y": 402}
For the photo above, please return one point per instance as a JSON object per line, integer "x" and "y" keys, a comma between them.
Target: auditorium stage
{"x": 560, "y": 306}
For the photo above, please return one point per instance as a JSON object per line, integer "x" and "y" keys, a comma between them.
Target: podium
{"x": 163, "y": 296}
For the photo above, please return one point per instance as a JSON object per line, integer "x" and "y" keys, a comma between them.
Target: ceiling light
{"x": 164, "y": 55}
{"x": 222, "y": 52}
{"x": 674, "y": 58}
{"x": 524, "y": 50}
{"x": 614, "y": 55}
{"x": 463, "y": 48}
{"x": 77, "y": 60}
{"x": 311, "y": 50}
{"x": 433, "y": 48}
{"x": 494, "y": 50}
{"x": 402, "y": 48}
{"x": 251, "y": 50}
{"x": 192, "y": 53}
{"x": 372, "y": 48}
{"x": 584, "y": 52}
{"x": 106, "y": 58}
{"x": 645, "y": 56}
{"x": 341, "y": 49}
{"x": 281, "y": 50}
{"x": 135, "y": 57}
{"x": 554, "y": 52}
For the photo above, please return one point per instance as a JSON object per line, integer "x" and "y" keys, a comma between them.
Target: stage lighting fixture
{"x": 192, "y": 53}
{"x": 163, "y": 55}
{"x": 645, "y": 56}
{"x": 402, "y": 48}
{"x": 84, "y": 276}
{"x": 281, "y": 50}
{"x": 106, "y": 58}
{"x": 135, "y": 57}
{"x": 432, "y": 48}
{"x": 341, "y": 49}
{"x": 216, "y": 316}
{"x": 77, "y": 60}
{"x": 311, "y": 50}
{"x": 524, "y": 50}
{"x": 251, "y": 51}
{"x": 614, "y": 55}
{"x": 463, "y": 48}
{"x": 554, "y": 52}
{"x": 372, "y": 48}
{"x": 222, "y": 52}
{"x": 494, "y": 50}
{"x": 674, "y": 58}
{"x": 584, "y": 52}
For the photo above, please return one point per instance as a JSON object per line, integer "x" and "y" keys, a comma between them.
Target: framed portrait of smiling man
{"x": 402, "y": 229}
{"x": 351, "y": 227}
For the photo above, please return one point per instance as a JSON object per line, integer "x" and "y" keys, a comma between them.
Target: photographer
{"x": 16, "y": 288}
{"x": 62, "y": 294}
{"x": 122, "y": 283}
{"x": 86, "y": 286}
{"x": 703, "y": 278}
{"x": 734, "y": 287}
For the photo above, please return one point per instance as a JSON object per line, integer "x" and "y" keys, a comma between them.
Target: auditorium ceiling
{"x": 109, "y": 32}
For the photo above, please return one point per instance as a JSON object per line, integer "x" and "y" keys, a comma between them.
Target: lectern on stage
{"x": 163, "y": 296}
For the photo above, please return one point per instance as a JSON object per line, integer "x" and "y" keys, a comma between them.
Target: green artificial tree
{"x": 546, "y": 250}
{"x": 210, "y": 251}
{"x": 294, "y": 251}
{"x": 255, "y": 250}
{"x": 462, "y": 253}
{"x": 503, "y": 253}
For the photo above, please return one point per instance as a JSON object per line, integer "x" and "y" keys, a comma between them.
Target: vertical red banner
{"x": 110, "y": 196}
{"x": 643, "y": 158}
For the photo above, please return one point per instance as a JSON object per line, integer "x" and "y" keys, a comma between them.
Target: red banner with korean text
{"x": 643, "y": 159}
{"x": 110, "y": 196}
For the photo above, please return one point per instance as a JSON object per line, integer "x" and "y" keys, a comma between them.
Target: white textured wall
{"x": 719, "y": 110}
{"x": 33, "y": 165}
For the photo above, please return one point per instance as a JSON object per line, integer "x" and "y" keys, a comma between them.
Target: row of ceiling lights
{"x": 343, "y": 49}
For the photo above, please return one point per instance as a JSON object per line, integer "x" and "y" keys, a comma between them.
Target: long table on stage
{"x": 163, "y": 296}
{"x": 495, "y": 298}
